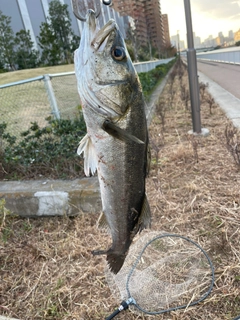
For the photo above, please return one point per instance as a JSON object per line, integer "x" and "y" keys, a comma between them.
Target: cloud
{"x": 219, "y": 9}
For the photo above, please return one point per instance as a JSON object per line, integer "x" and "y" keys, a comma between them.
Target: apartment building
{"x": 147, "y": 18}
{"x": 166, "y": 30}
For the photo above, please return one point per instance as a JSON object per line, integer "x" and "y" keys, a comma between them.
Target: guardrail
{"x": 229, "y": 55}
{"x": 149, "y": 65}
{"x": 35, "y": 99}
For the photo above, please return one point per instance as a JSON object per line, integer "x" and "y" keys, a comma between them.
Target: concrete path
{"x": 224, "y": 86}
{"x": 227, "y": 101}
{"x": 225, "y": 75}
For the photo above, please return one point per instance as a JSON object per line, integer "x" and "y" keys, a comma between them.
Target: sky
{"x": 208, "y": 17}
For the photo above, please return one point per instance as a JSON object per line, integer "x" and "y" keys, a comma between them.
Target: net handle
{"x": 124, "y": 306}
{"x": 113, "y": 315}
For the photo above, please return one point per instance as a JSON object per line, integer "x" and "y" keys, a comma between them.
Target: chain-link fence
{"x": 36, "y": 99}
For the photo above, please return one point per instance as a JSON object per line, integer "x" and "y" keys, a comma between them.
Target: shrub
{"x": 149, "y": 80}
{"x": 41, "y": 152}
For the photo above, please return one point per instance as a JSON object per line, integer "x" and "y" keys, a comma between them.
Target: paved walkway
{"x": 224, "y": 86}
{"x": 226, "y": 100}
{"x": 224, "y": 74}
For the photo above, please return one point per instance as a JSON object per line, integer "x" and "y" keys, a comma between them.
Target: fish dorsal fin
{"x": 144, "y": 220}
{"x": 119, "y": 133}
{"x": 90, "y": 157}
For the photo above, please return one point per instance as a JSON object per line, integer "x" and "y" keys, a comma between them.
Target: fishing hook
{"x": 77, "y": 13}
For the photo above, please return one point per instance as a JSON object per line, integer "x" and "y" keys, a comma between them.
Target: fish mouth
{"x": 100, "y": 36}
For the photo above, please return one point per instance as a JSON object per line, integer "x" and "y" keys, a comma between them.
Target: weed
{"x": 232, "y": 136}
{"x": 185, "y": 96}
{"x": 202, "y": 88}
{"x": 211, "y": 102}
{"x": 161, "y": 108}
{"x": 3, "y": 213}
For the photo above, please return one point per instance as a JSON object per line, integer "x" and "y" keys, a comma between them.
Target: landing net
{"x": 162, "y": 273}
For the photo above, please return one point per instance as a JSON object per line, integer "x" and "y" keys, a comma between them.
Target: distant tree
{"x": 2, "y": 69}
{"x": 74, "y": 44}
{"x": 56, "y": 38}
{"x": 51, "y": 51}
{"x": 26, "y": 55}
{"x": 7, "y": 42}
{"x": 171, "y": 51}
{"x": 237, "y": 43}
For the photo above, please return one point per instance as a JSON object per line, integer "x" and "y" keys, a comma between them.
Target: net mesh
{"x": 167, "y": 273}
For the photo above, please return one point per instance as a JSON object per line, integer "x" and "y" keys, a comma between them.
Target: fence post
{"x": 51, "y": 96}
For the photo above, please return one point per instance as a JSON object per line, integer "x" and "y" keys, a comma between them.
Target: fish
{"x": 116, "y": 144}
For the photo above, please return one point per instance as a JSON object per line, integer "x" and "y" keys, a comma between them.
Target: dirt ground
{"x": 46, "y": 267}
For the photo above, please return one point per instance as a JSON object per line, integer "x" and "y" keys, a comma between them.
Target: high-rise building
{"x": 230, "y": 35}
{"x": 177, "y": 42}
{"x": 147, "y": 18}
{"x": 166, "y": 30}
{"x": 220, "y": 38}
{"x": 197, "y": 41}
{"x": 237, "y": 36}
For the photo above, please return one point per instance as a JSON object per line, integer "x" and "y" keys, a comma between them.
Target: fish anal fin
{"x": 103, "y": 224}
{"x": 144, "y": 220}
{"x": 113, "y": 130}
{"x": 90, "y": 158}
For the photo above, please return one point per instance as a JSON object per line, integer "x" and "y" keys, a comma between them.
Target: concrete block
{"x": 51, "y": 197}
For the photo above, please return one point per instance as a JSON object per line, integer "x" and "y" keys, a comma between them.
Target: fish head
{"x": 107, "y": 80}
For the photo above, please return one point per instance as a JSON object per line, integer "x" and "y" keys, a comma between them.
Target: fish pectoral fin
{"x": 103, "y": 224}
{"x": 90, "y": 157}
{"x": 144, "y": 220}
{"x": 119, "y": 133}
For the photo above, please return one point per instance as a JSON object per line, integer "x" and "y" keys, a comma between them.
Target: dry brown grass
{"x": 46, "y": 266}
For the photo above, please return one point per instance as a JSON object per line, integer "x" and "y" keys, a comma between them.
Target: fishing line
{"x": 169, "y": 273}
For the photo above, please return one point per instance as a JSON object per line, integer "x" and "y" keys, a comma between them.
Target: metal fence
{"x": 229, "y": 55}
{"x": 34, "y": 100}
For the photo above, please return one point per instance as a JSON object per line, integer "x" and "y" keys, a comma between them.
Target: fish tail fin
{"x": 115, "y": 261}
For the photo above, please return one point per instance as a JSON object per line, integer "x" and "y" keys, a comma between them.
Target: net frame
{"x": 133, "y": 301}
{"x": 130, "y": 297}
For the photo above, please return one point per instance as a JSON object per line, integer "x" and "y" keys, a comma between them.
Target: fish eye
{"x": 118, "y": 53}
